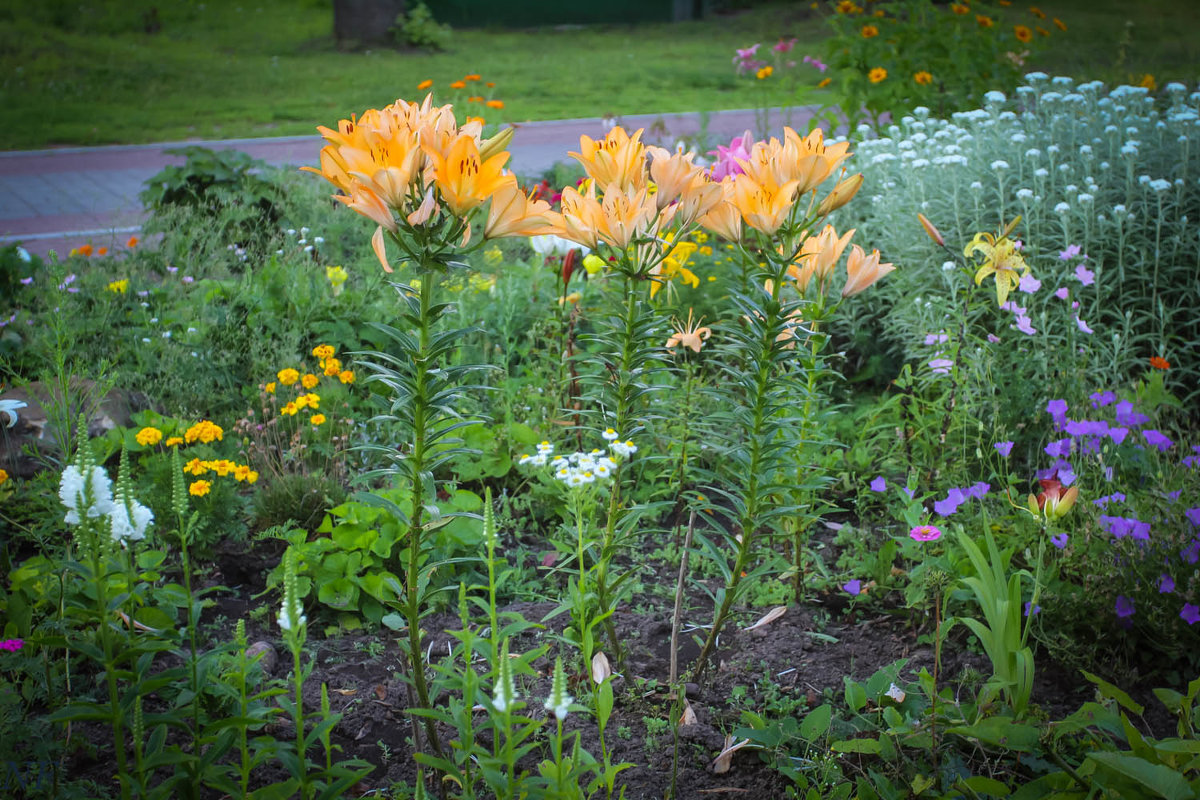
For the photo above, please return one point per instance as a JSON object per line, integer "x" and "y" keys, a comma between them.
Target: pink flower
{"x": 1062, "y": 293}
{"x": 816, "y": 62}
{"x": 993, "y": 338}
{"x": 1069, "y": 253}
{"x": 941, "y": 366}
{"x": 784, "y": 45}
{"x": 925, "y": 533}
{"x": 1084, "y": 275}
{"x": 11, "y": 645}
{"x": 1083, "y": 326}
{"x": 726, "y": 162}
{"x": 1029, "y": 284}
{"x": 1025, "y": 325}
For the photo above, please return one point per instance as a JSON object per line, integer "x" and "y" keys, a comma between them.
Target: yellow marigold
{"x": 1023, "y": 33}
{"x": 309, "y": 381}
{"x": 1148, "y": 82}
{"x": 241, "y": 472}
{"x": 3, "y": 477}
{"x": 425, "y": 84}
{"x": 332, "y": 367}
{"x": 847, "y": 7}
{"x": 317, "y": 419}
{"x": 1037, "y": 12}
{"x": 252, "y": 477}
{"x": 960, "y": 9}
{"x": 200, "y": 488}
{"x": 984, "y": 21}
{"x": 877, "y": 75}
{"x": 119, "y": 287}
{"x": 496, "y": 104}
{"x": 879, "y": 12}
{"x": 824, "y": 82}
{"x": 300, "y": 402}
{"x": 458, "y": 85}
{"x": 289, "y": 410}
{"x": 869, "y": 31}
{"x": 223, "y": 467}
{"x": 174, "y": 441}
{"x": 764, "y": 73}
{"x": 148, "y": 437}
{"x": 270, "y": 388}
{"x": 313, "y": 400}
{"x": 346, "y": 376}
{"x": 1058, "y": 23}
{"x": 923, "y": 78}
{"x": 204, "y": 431}
{"x": 288, "y": 376}
{"x": 705, "y": 250}
{"x": 323, "y": 351}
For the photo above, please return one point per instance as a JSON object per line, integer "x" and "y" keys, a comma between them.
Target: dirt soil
{"x": 794, "y": 659}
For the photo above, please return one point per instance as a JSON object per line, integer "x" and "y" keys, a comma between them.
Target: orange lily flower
{"x": 462, "y": 179}
{"x": 514, "y": 213}
{"x": 690, "y": 335}
{"x": 618, "y": 158}
{"x": 818, "y": 256}
{"x": 863, "y": 270}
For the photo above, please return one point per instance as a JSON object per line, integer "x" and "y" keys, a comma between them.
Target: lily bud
{"x": 496, "y": 144}
{"x": 1059, "y": 505}
{"x": 932, "y": 231}
{"x": 1012, "y": 226}
{"x": 842, "y": 193}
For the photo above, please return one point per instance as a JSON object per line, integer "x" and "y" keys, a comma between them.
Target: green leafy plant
{"x": 419, "y": 29}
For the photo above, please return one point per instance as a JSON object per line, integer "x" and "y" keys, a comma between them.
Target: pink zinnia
{"x": 925, "y": 533}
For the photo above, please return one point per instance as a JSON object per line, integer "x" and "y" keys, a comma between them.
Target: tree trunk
{"x": 363, "y": 22}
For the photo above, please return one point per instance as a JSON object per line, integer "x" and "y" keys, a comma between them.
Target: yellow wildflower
{"x": 1002, "y": 259}
{"x": 288, "y": 376}
{"x": 204, "y": 431}
{"x": 346, "y": 376}
{"x": 174, "y": 441}
{"x": 289, "y": 410}
{"x": 148, "y": 437}
{"x": 317, "y": 419}
{"x": 270, "y": 388}
{"x": 119, "y": 287}
{"x": 877, "y": 75}
{"x": 869, "y": 31}
{"x": 923, "y": 78}
{"x": 309, "y": 381}
{"x": 313, "y": 400}
{"x": 331, "y": 367}
{"x": 200, "y": 488}
{"x": 241, "y": 472}
{"x": 323, "y": 351}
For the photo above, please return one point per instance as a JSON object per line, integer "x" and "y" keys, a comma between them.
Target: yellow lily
{"x": 723, "y": 217}
{"x": 763, "y": 206}
{"x": 818, "y": 256}
{"x": 673, "y": 266}
{"x": 1002, "y": 259}
{"x": 809, "y": 161}
{"x": 628, "y": 214}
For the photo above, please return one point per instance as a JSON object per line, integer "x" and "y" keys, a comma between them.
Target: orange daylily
{"x": 818, "y": 256}
{"x": 514, "y": 213}
{"x": 764, "y": 206}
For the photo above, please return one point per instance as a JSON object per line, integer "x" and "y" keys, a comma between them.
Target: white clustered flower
{"x": 130, "y": 519}
{"x": 1024, "y": 194}
{"x": 999, "y": 165}
{"x": 72, "y": 492}
{"x": 1061, "y": 208}
{"x": 1160, "y": 185}
{"x": 624, "y": 449}
{"x": 288, "y": 622}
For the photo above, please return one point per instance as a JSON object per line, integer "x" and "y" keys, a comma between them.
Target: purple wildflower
{"x": 1057, "y": 409}
{"x": 1128, "y": 417}
{"x": 1124, "y": 607}
{"x": 941, "y": 366}
{"x": 993, "y": 338}
{"x": 1166, "y": 584}
{"x": 935, "y": 338}
{"x": 1193, "y": 516}
{"x": 853, "y": 587}
{"x": 1101, "y": 399}
{"x": 879, "y": 484}
{"x": 1058, "y": 448}
{"x": 1031, "y": 609}
{"x": 948, "y": 505}
{"x": 1083, "y": 326}
{"x": 1004, "y": 448}
{"x": 1157, "y": 439}
{"x": 1025, "y": 325}
{"x": 1071, "y": 251}
{"x": 979, "y": 490}
{"x": 1062, "y": 293}
{"x": 1115, "y": 497}
{"x": 1084, "y": 275}
{"x": 1190, "y": 614}
{"x": 26, "y": 281}
{"x": 1059, "y": 540}
{"x": 1118, "y": 434}
{"x": 11, "y": 645}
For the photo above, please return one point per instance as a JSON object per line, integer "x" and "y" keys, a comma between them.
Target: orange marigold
{"x": 869, "y": 31}
{"x": 1058, "y": 23}
{"x": 984, "y": 21}
{"x": 923, "y": 78}
{"x": 423, "y": 85}
{"x": 1159, "y": 363}
{"x": 960, "y": 9}
{"x": 495, "y": 104}
{"x": 458, "y": 85}
{"x": 877, "y": 75}
{"x": 471, "y": 77}
{"x": 1037, "y": 12}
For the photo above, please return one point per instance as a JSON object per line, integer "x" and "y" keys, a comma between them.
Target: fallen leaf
{"x": 346, "y": 692}
{"x": 772, "y": 615}
{"x": 722, "y": 761}
{"x": 601, "y": 669}
{"x": 688, "y": 717}
{"x": 896, "y": 693}
{"x": 381, "y": 692}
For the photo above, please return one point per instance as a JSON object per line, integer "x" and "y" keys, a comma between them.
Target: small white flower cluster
{"x": 290, "y": 619}
{"x": 579, "y": 468}
{"x": 92, "y": 496}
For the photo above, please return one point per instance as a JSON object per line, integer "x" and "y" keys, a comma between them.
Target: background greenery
{"x": 89, "y": 72}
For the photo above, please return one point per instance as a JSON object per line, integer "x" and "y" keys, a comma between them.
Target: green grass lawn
{"x": 87, "y": 72}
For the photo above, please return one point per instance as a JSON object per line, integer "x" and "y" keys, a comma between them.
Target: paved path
{"x": 62, "y": 198}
